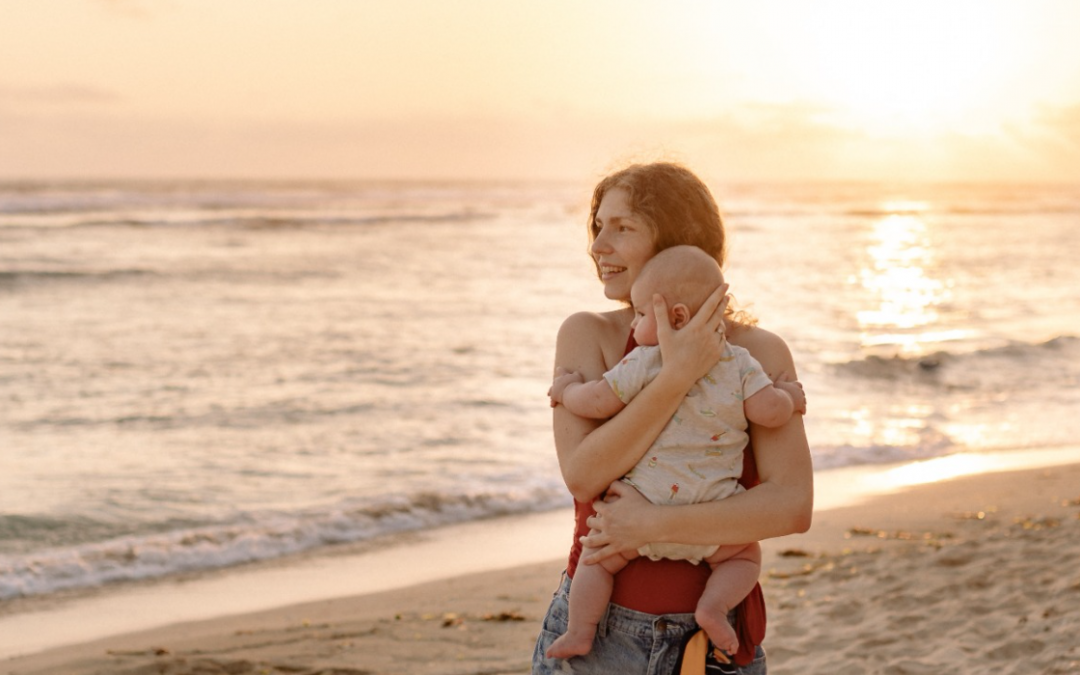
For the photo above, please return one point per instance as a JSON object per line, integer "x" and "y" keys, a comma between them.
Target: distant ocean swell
{"x": 23, "y": 278}
{"x": 286, "y": 219}
{"x": 63, "y": 219}
{"x": 228, "y": 418}
{"x": 200, "y": 375}
{"x": 169, "y": 548}
{"x": 1055, "y": 361}
{"x": 938, "y": 397}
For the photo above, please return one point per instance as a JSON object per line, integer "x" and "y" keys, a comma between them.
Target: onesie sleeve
{"x": 637, "y": 369}
{"x": 752, "y": 374}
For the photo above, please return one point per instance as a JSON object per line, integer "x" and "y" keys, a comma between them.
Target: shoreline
{"x": 531, "y": 550}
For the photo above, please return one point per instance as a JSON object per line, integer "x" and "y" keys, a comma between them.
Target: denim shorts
{"x": 627, "y": 642}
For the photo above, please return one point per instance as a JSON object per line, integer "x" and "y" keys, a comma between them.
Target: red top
{"x": 674, "y": 586}
{"x": 654, "y": 586}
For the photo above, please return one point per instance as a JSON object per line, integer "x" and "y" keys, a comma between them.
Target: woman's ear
{"x": 680, "y": 314}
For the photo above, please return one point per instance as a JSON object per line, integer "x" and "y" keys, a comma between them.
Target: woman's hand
{"x": 619, "y": 523}
{"x": 691, "y": 351}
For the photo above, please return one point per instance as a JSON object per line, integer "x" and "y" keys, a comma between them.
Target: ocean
{"x": 198, "y": 375}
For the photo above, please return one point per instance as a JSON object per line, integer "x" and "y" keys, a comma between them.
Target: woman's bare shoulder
{"x": 588, "y": 341}
{"x": 767, "y": 347}
{"x": 599, "y": 325}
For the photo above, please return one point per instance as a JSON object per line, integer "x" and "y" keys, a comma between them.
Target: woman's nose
{"x": 600, "y": 243}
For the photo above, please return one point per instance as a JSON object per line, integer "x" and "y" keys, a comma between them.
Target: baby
{"x": 696, "y": 458}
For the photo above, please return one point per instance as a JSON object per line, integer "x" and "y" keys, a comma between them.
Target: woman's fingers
{"x": 713, "y": 309}
{"x": 595, "y": 539}
{"x": 597, "y": 554}
{"x": 614, "y": 491}
{"x": 710, "y": 317}
{"x": 690, "y": 352}
{"x": 663, "y": 319}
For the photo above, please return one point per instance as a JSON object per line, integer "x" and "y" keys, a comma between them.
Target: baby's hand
{"x": 794, "y": 389}
{"x": 563, "y": 379}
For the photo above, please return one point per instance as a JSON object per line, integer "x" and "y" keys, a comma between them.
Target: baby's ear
{"x": 680, "y": 314}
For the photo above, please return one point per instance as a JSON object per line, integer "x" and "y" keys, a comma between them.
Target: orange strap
{"x": 693, "y": 656}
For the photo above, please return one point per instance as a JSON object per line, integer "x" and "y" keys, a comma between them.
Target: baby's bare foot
{"x": 570, "y": 644}
{"x": 719, "y": 631}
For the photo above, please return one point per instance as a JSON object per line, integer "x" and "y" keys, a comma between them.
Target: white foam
{"x": 436, "y": 554}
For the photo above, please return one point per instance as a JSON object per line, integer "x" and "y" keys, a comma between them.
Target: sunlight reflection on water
{"x": 897, "y": 275}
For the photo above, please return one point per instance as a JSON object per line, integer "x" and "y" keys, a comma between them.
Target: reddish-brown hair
{"x": 673, "y": 202}
{"x": 676, "y": 205}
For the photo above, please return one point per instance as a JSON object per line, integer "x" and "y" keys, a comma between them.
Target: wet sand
{"x": 976, "y": 574}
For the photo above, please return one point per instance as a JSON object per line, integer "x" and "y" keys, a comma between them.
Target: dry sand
{"x": 969, "y": 576}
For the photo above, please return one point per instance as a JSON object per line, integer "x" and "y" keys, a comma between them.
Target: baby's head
{"x": 685, "y": 276}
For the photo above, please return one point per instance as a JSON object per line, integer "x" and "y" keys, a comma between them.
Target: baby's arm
{"x": 593, "y": 400}
{"x": 773, "y": 406}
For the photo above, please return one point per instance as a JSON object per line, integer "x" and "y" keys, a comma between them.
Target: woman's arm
{"x": 593, "y": 454}
{"x": 782, "y": 504}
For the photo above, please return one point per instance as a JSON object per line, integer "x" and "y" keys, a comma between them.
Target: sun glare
{"x": 896, "y": 276}
{"x": 906, "y": 70}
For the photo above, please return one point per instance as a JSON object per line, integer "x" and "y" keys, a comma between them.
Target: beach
{"x": 209, "y": 375}
{"x": 300, "y": 427}
{"x": 283, "y": 289}
{"x": 969, "y": 574}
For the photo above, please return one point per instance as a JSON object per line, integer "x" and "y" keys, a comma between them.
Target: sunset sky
{"x": 562, "y": 89}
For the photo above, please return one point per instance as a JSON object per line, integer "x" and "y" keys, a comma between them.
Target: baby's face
{"x": 644, "y": 323}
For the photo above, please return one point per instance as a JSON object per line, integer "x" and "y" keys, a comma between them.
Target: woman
{"x": 635, "y": 213}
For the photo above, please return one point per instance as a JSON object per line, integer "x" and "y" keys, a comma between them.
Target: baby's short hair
{"x": 683, "y": 274}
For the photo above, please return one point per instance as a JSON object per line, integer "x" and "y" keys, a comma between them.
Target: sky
{"x": 957, "y": 90}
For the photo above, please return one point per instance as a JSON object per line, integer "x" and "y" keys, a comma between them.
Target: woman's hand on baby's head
{"x": 563, "y": 379}
{"x": 721, "y": 309}
{"x": 695, "y": 348}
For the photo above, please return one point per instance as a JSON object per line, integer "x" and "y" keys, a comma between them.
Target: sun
{"x": 905, "y": 69}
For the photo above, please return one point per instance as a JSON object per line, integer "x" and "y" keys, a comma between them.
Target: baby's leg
{"x": 590, "y": 593}
{"x": 735, "y": 571}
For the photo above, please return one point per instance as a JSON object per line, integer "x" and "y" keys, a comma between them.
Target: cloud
{"x": 1063, "y": 122}
{"x": 796, "y": 141}
{"x": 766, "y": 141}
{"x": 113, "y": 145}
{"x": 128, "y": 8}
{"x": 15, "y": 97}
{"x": 802, "y": 140}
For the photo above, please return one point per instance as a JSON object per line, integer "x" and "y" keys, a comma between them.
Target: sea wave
{"x": 248, "y": 221}
{"x": 13, "y": 278}
{"x": 811, "y": 209}
{"x": 931, "y": 443}
{"x": 1055, "y": 360}
{"x": 238, "y": 417}
{"x": 256, "y": 537}
{"x": 16, "y": 280}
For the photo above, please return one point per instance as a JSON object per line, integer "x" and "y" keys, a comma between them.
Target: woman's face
{"x": 623, "y": 244}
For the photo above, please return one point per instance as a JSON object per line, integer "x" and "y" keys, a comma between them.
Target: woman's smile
{"x": 622, "y": 244}
{"x": 609, "y": 271}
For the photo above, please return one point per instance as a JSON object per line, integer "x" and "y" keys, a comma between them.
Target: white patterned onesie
{"x": 698, "y": 456}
